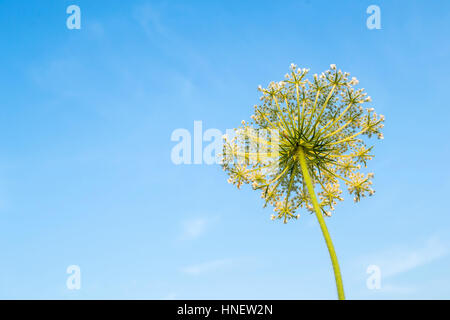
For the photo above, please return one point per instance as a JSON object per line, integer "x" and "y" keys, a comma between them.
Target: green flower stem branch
{"x": 323, "y": 226}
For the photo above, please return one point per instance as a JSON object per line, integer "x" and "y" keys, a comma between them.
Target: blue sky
{"x": 86, "y": 176}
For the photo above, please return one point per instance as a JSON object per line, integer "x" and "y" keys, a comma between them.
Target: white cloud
{"x": 149, "y": 18}
{"x": 206, "y": 266}
{"x": 394, "y": 289}
{"x": 194, "y": 228}
{"x": 402, "y": 259}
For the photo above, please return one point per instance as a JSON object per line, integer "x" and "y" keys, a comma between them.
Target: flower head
{"x": 323, "y": 119}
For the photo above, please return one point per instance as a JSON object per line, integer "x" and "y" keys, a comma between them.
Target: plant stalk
{"x": 323, "y": 226}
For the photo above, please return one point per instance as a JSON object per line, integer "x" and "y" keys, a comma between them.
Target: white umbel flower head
{"x": 321, "y": 120}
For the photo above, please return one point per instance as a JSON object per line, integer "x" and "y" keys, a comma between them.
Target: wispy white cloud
{"x": 196, "y": 227}
{"x": 149, "y": 18}
{"x": 54, "y": 76}
{"x": 402, "y": 259}
{"x": 395, "y": 289}
{"x": 155, "y": 21}
{"x": 206, "y": 266}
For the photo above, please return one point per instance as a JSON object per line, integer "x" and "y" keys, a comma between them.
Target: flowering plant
{"x": 306, "y": 135}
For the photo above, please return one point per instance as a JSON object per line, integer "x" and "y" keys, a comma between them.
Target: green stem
{"x": 323, "y": 226}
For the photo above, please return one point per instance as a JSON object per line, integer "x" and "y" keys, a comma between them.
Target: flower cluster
{"x": 323, "y": 117}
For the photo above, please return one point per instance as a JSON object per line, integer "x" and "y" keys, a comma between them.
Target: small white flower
{"x": 333, "y": 66}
